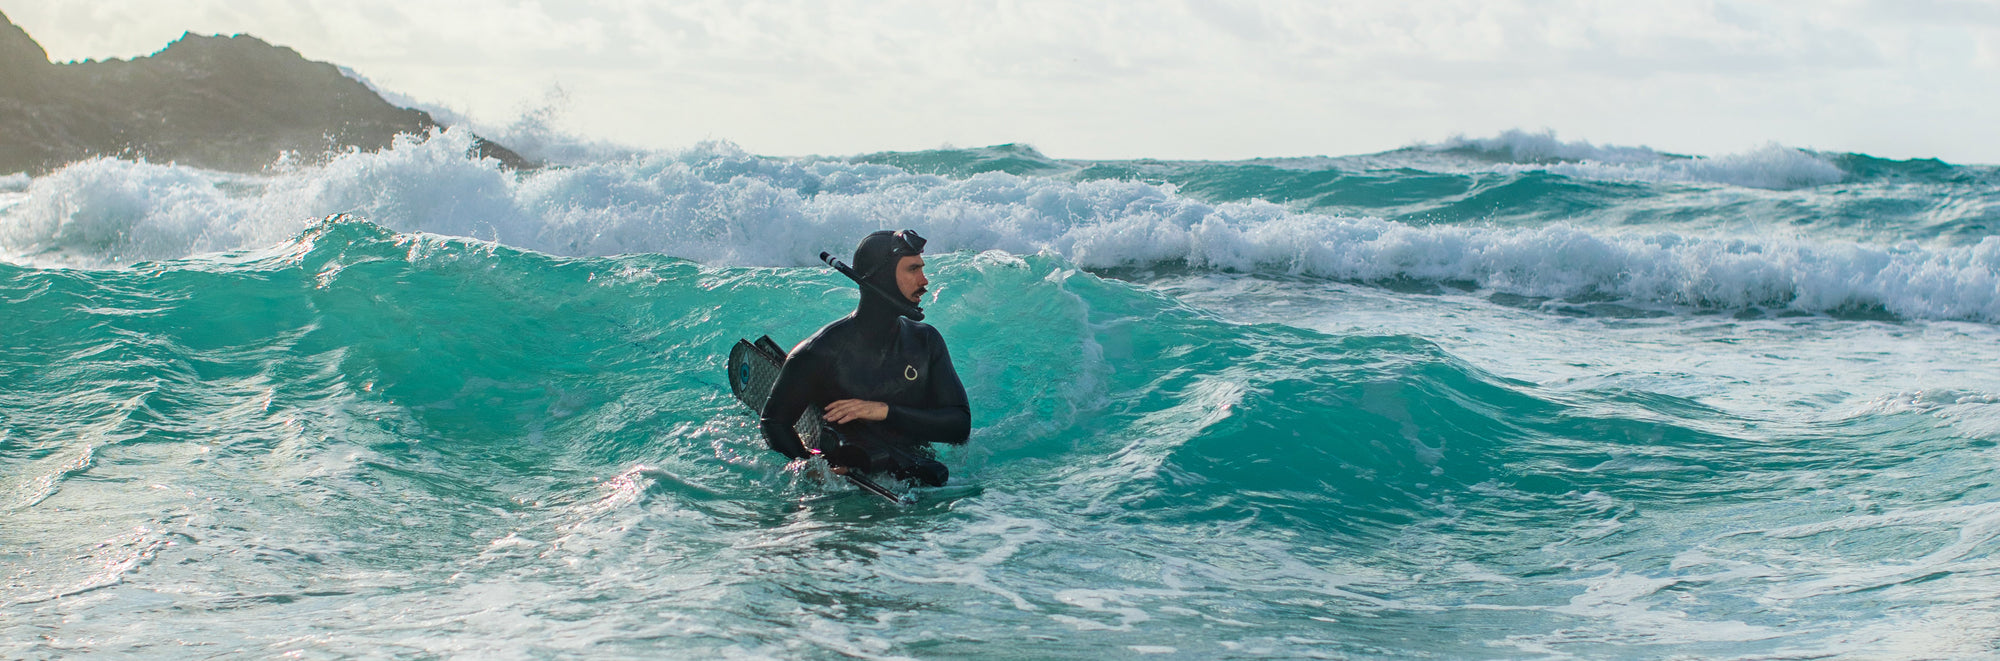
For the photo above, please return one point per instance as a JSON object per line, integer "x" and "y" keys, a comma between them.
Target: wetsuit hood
{"x": 874, "y": 270}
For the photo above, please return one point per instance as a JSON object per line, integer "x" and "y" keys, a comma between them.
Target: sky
{"x": 1174, "y": 79}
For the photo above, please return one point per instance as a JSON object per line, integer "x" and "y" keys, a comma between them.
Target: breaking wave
{"x": 720, "y": 205}
{"x": 1772, "y": 166}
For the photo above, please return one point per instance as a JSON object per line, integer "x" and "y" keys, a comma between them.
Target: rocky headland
{"x": 230, "y": 103}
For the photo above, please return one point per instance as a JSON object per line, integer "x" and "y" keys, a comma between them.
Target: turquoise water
{"x": 1512, "y": 398}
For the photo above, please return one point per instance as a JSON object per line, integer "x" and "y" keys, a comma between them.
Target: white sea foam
{"x": 719, "y": 205}
{"x": 1770, "y": 166}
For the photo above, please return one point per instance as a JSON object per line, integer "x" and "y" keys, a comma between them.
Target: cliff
{"x": 227, "y": 103}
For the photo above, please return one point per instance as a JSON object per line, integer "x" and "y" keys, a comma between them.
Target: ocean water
{"x": 1499, "y": 398}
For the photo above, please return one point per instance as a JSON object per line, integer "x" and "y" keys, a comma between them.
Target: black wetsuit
{"x": 876, "y": 355}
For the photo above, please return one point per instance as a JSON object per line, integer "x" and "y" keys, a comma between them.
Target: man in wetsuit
{"x": 882, "y": 378}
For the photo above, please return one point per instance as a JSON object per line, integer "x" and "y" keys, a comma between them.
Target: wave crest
{"x": 720, "y": 205}
{"x": 1771, "y": 166}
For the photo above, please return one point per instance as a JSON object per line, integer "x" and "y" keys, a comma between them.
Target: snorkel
{"x": 901, "y": 244}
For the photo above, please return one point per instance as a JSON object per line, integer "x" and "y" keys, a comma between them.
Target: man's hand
{"x": 849, "y": 410}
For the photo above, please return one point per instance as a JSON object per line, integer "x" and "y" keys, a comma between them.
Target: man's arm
{"x": 950, "y": 419}
{"x": 790, "y": 397}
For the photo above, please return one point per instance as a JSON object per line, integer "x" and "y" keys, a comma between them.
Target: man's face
{"x": 910, "y": 278}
